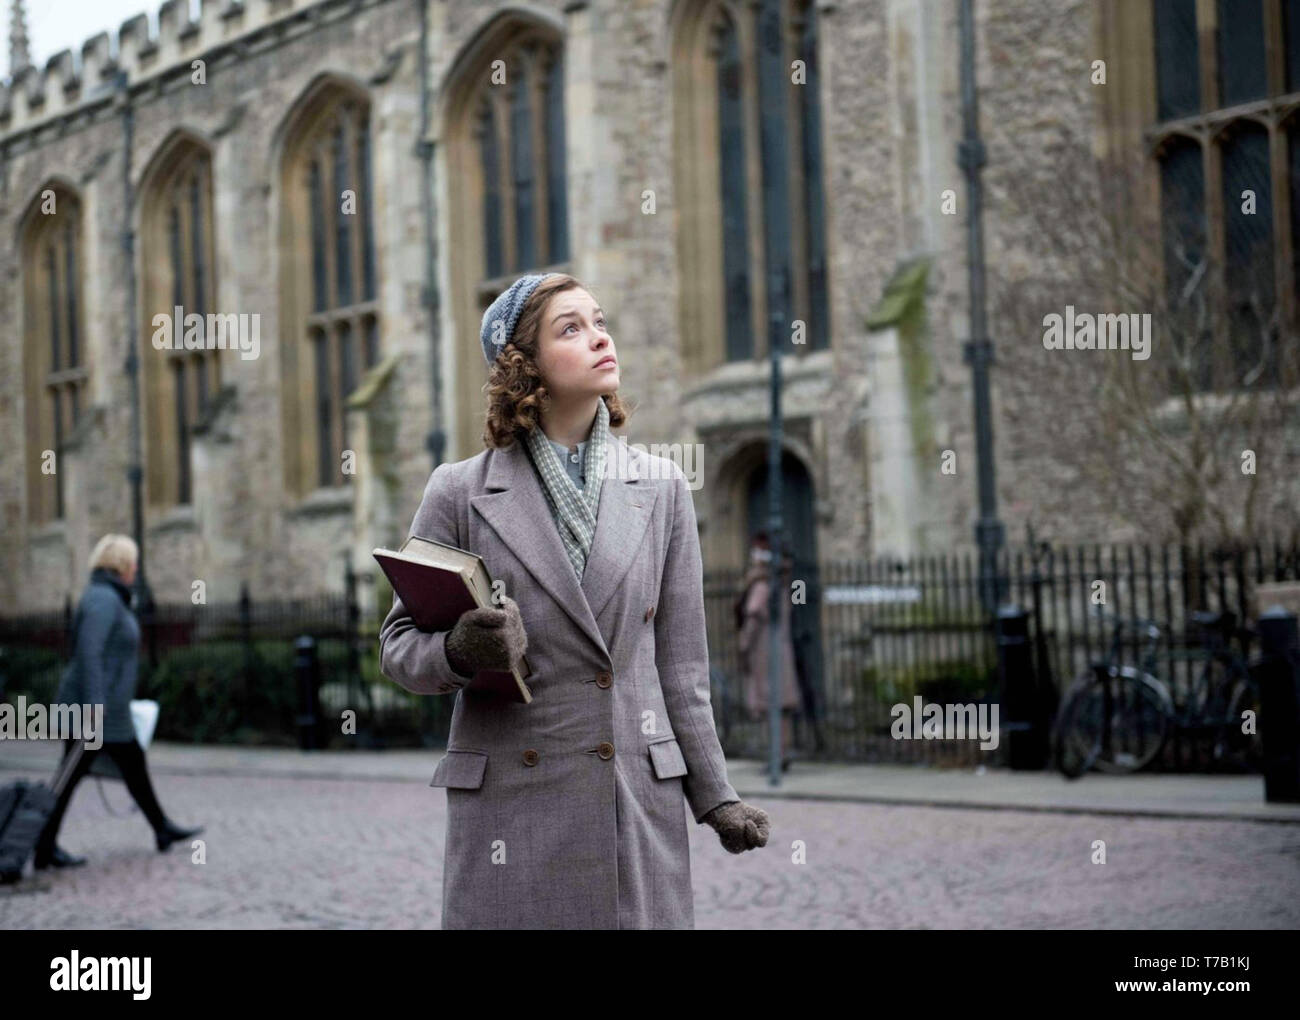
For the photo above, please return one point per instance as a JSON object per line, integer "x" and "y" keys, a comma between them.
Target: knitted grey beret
{"x": 502, "y": 314}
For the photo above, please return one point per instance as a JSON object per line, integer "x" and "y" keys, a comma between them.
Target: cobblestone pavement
{"x": 367, "y": 853}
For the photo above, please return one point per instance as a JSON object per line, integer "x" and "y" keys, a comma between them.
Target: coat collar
{"x": 105, "y": 576}
{"x": 516, "y": 508}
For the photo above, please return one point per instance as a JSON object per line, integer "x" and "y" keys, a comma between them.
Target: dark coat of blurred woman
{"x": 105, "y": 656}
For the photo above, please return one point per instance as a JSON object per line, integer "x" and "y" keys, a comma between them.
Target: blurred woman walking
{"x": 754, "y": 640}
{"x": 103, "y": 671}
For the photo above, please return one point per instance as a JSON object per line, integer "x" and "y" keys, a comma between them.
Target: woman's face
{"x": 127, "y": 575}
{"x": 574, "y": 352}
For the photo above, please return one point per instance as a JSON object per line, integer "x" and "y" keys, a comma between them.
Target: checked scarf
{"x": 574, "y": 511}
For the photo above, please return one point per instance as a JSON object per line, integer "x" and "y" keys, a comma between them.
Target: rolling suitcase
{"x": 24, "y": 809}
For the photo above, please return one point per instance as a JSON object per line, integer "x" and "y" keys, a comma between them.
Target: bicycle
{"x": 1117, "y": 716}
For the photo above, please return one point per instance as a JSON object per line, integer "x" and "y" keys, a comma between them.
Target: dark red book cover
{"x": 435, "y": 598}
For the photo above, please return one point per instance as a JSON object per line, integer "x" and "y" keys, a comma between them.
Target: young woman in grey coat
{"x": 568, "y": 812}
{"x": 106, "y": 641}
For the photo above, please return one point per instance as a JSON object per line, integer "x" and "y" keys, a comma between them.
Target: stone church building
{"x": 340, "y": 187}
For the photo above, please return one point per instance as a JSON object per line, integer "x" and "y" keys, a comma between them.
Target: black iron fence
{"x": 868, "y": 636}
{"x": 230, "y": 672}
{"x": 873, "y": 635}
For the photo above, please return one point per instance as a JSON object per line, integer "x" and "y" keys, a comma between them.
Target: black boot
{"x": 169, "y": 832}
{"x": 56, "y": 858}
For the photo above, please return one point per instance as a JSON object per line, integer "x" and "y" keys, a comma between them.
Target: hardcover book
{"x": 437, "y": 583}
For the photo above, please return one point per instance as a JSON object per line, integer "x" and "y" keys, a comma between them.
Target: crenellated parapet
{"x": 70, "y": 80}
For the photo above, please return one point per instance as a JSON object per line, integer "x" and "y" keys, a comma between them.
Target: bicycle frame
{"x": 1206, "y": 692}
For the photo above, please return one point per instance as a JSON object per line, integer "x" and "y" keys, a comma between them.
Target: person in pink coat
{"x": 755, "y": 640}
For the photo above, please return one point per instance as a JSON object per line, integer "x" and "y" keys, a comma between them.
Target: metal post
{"x": 775, "y": 661}
{"x": 69, "y": 639}
{"x": 774, "y": 143}
{"x": 978, "y": 349}
{"x": 246, "y": 640}
{"x": 1279, "y": 693}
{"x": 1025, "y": 743}
{"x": 306, "y": 668}
{"x": 436, "y": 440}
{"x": 134, "y": 472}
{"x": 356, "y": 682}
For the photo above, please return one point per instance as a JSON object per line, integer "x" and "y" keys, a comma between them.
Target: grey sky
{"x": 54, "y": 25}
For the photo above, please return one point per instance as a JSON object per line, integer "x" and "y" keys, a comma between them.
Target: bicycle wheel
{"x": 1077, "y": 744}
{"x": 1116, "y": 726}
{"x": 1244, "y": 748}
{"x": 1073, "y": 753}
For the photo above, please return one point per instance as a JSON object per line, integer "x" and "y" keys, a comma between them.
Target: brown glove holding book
{"x": 486, "y": 638}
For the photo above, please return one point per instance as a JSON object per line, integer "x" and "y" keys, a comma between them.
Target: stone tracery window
{"x": 1227, "y": 108}
{"x": 747, "y": 152}
{"x": 55, "y": 363}
{"x": 329, "y": 284}
{"x": 178, "y": 271}
{"x": 518, "y": 127}
{"x": 507, "y": 178}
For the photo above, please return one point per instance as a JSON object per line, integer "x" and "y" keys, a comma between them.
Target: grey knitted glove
{"x": 486, "y": 639}
{"x": 739, "y": 826}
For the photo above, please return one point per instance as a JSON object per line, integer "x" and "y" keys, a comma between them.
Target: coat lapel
{"x": 621, "y": 522}
{"x": 515, "y": 506}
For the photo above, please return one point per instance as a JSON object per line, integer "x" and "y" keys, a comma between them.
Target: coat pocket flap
{"x": 461, "y": 769}
{"x": 667, "y": 758}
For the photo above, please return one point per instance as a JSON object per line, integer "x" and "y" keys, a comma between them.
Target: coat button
{"x": 530, "y": 757}
{"x": 649, "y": 613}
{"x": 604, "y": 680}
{"x": 605, "y": 750}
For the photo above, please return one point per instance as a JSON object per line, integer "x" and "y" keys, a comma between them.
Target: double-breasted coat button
{"x": 605, "y": 750}
{"x": 649, "y": 613}
{"x": 604, "y": 680}
{"x": 530, "y": 757}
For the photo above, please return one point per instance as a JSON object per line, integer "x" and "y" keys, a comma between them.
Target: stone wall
{"x": 890, "y": 111}
{"x": 248, "y": 529}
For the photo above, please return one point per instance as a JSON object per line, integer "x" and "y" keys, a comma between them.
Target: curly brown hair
{"x": 515, "y": 392}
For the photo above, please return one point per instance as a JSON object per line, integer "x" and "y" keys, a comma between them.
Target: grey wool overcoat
{"x": 105, "y": 652}
{"x": 568, "y": 812}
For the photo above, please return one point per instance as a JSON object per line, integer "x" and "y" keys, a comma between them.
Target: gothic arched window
{"x": 747, "y": 152}
{"x": 1226, "y": 114}
{"x": 329, "y": 283}
{"x": 177, "y": 272}
{"x": 518, "y": 126}
{"x": 55, "y": 362}
{"x": 506, "y": 160}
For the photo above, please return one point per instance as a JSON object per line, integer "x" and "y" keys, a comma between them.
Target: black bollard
{"x": 1278, "y": 672}
{"x": 1020, "y": 725}
{"x": 306, "y": 668}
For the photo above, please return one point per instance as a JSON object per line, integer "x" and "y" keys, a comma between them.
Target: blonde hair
{"x": 116, "y": 552}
